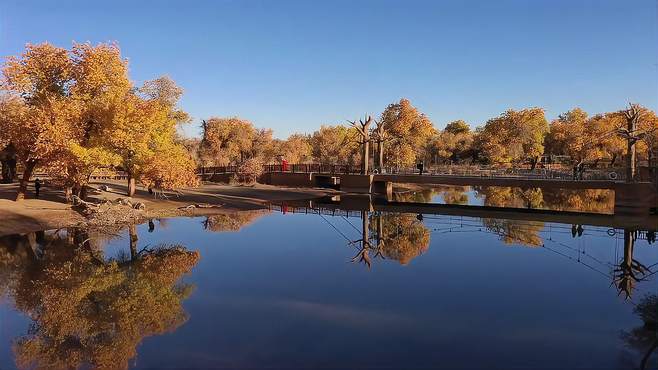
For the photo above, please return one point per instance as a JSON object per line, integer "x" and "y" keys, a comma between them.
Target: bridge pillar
{"x": 635, "y": 199}
{"x": 366, "y": 185}
{"x": 383, "y": 188}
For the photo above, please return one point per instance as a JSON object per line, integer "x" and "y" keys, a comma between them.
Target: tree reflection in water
{"x": 231, "y": 221}
{"x": 395, "y": 236}
{"x": 88, "y": 310}
{"x": 644, "y": 339}
{"x": 629, "y": 271}
{"x": 513, "y": 231}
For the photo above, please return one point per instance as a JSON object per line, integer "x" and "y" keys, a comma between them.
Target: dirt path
{"x": 51, "y": 212}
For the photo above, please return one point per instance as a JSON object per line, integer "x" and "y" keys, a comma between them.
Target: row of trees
{"x": 71, "y": 112}
{"x": 403, "y": 135}
{"x": 74, "y": 111}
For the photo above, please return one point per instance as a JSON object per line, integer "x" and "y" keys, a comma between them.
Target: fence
{"x": 614, "y": 174}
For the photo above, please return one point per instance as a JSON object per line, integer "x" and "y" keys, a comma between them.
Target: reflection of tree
{"x": 230, "y": 221}
{"x": 644, "y": 338}
{"x": 400, "y": 236}
{"x": 418, "y": 196}
{"x": 513, "y": 231}
{"x": 516, "y": 232}
{"x": 455, "y": 194}
{"x": 450, "y": 194}
{"x": 584, "y": 200}
{"x": 91, "y": 311}
{"x": 629, "y": 271}
{"x": 503, "y": 196}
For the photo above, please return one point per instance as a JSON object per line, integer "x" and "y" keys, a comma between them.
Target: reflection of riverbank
{"x": 579, "y": 200}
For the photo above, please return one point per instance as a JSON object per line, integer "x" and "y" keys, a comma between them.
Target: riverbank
{"x": 51, "y": 211}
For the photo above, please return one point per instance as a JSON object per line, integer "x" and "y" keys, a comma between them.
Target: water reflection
{"x": 630, "y": 271}
{"x": 644, "y": 339}
{"x": 582, "y": 200}
{"x": 87, "y": 309}
{"x": 404, "y": 236}
{"x": 231, "y": 221}
{"x": 396, "y": 236}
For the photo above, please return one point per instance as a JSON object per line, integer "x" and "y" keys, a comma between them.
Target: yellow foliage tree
{"x": 335, "y": 145}
{"x": 514, "y": 136}
{"x": 40, "y": 117}
{"x": 409, "y": 130}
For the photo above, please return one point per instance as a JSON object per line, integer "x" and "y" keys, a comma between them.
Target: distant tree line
{"x": 74, "y": 111}
{"x": 405, "y": 136}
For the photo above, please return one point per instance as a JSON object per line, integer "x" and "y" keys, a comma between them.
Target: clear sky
{"x": 294, "y": 65}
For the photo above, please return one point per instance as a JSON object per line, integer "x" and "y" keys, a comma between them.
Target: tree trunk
{"x": 8, "y": 171}
{"x": 365, "y": 157}
{"x": 25, "y": 180}
{"x": 380, "y": 155}
{"x": 630, "y": 162}
{"x": 83, "y": 192}
{"x": 68, "y": 194}
{"x": 131, "y": 185}
{"x": 132, "y": 231}
{"x": 533, "y": 163}
{"x": 613, "y": 160}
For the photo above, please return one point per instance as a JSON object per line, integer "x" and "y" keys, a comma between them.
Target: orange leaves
{"x": 40, "y": 71}
{"x": 58, "y": 99}
{"x": 514, "y": 136}
{"x": 409, "y": 130}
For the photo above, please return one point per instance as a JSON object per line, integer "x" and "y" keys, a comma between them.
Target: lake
{"x": 372, "y": 290}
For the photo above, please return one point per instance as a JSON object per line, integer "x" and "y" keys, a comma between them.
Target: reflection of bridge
{"x": 354, "y": 204}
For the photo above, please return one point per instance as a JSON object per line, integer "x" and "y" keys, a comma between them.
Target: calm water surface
{"x": 274, "y": 290}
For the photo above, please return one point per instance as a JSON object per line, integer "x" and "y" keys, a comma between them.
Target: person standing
{"x": 37, "y": 187}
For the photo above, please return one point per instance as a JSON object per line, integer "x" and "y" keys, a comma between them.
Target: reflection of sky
{"x": 281, "y": 293}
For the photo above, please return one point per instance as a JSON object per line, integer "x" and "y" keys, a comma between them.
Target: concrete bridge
{"x": 631, "y": 199}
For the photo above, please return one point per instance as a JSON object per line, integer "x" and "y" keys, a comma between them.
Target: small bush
{"x": 248, "y": 171}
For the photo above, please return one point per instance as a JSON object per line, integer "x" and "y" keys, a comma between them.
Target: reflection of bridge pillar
{"x": 366, "y": 185}
{"x": 635, "y": 199}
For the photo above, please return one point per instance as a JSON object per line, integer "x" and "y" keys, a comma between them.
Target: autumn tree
{"x": 229, "y": 141}
{"x": 39, "y": 114}
{"x": 335, "y": 145}
{"x": 514, "y": 136}
{"x": 451, "y": 144}
{"x": 100, "y": 81}
{"x": 143, "y": 133}
{"x": 296, "y": 148}
{"x": 570, "y": 134}
{"x": 410, "y": 131}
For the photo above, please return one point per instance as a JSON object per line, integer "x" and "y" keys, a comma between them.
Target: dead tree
{"x": 380, "y": 137}
{"x": 632, "y": 136}
{"x": 363, "y": 129}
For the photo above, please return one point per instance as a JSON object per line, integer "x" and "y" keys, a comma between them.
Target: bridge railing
{"x": 614, "y": 174}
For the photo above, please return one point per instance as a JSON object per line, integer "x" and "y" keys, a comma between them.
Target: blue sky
{"x": 294, "y": 65}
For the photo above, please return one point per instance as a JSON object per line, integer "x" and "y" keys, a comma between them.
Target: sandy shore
{"x": 51, "y": 211}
